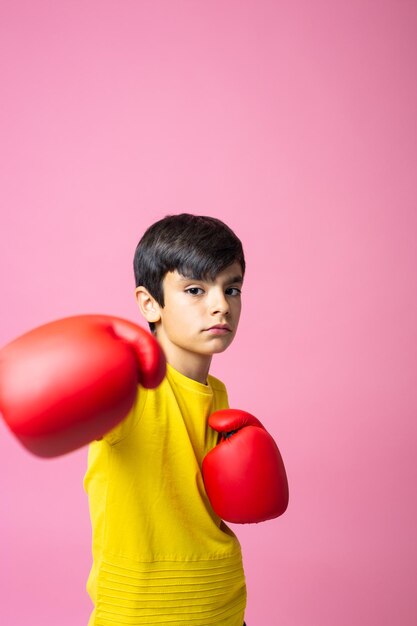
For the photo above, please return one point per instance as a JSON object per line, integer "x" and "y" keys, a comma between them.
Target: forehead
{"x": 232, "y": 274}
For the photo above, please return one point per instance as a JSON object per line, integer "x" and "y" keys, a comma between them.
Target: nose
{"x": 219, "y": 303}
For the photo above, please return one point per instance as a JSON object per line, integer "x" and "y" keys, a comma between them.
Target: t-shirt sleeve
{"x": 124, "y": 427}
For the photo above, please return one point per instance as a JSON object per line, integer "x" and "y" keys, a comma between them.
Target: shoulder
{"x": 216, "y": 384}
{"x": 220, "y": 397}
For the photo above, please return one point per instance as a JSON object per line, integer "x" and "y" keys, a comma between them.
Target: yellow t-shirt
{"x": 160, "y": 553}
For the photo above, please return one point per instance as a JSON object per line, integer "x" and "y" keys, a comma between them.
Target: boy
{"x": 161, "y": 554}
{"x": 159, "y": 481}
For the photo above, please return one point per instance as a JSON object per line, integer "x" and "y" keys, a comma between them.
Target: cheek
{"x": 237, "y": 309}
{"x": 182, "y": 322}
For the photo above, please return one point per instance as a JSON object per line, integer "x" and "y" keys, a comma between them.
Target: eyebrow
{"x": 234, "y": 279}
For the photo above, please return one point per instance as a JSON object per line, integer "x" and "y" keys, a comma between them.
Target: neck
{"x": 190, "y": 364}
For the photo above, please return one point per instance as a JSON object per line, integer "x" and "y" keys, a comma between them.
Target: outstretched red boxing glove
{"x": 71, "y": 381}
{"x": 244, "y": 475}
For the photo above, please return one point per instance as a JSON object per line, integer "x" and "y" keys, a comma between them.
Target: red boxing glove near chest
{"x": 68, "y": 382}
{"x": 244, "y": 474}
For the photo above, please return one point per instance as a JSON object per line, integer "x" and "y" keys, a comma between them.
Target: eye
{"x": 193, "y": 291}
{"x": 237, "y": 291}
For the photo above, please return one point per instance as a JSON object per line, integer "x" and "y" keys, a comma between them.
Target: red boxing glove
{"x": 71, "y": 381}
{"x": 244, "y": 474}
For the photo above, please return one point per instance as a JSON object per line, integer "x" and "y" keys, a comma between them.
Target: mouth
{"x": 219, "y": 329}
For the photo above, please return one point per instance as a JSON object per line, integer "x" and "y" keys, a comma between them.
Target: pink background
{"x": 295, "y": 122}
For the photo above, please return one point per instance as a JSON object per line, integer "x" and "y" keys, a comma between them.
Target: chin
{"x": 220, "y": 348}
{"x": 209, "y": 351}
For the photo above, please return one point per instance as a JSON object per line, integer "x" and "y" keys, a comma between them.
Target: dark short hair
{"x": 195, "y": 245}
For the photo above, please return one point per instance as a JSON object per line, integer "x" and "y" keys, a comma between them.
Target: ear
{"x": 148, "y": 306}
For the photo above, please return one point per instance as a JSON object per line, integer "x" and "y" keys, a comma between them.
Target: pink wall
{"x": 296, "y": 124}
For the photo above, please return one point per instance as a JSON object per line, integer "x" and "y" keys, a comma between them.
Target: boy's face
{"x": 193, "y": 307}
